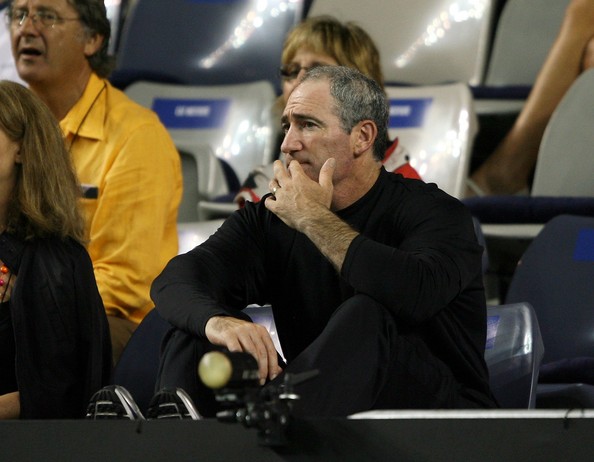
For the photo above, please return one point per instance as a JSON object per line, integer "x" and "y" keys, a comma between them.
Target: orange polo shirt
{"x": 130, "y": 171}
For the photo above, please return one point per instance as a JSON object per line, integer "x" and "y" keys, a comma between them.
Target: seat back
{"x": 192, "y": 234}
{"x": 138, "y": 365}
{"x": 203, "y": 179}
{"x": 425, "y": 41}
{"x": 482, "y": 241}
{"x": 232, "y": 122}
{"x": 115, "y": 10}
{"x": 204, "y": 42}
{"x": 524, "y": 34}
{"x": 437, "y": 125}
{"x": 565, "y": 165}
{"x": 555, "y": 275}
{"x": 7, "y": 67}
{"x": 513, "y": 353}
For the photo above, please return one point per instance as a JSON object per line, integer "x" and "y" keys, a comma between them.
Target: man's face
{"x": 45, "y": 54}
{"x": 313, "y": 133}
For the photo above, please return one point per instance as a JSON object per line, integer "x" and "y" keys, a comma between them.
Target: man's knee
{"x": 363, "y": 313}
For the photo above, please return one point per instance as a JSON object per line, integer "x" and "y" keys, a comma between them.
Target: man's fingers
{"x": 326, "y": 173}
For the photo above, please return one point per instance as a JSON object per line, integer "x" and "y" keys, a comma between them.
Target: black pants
{"x": 363, "y": 364}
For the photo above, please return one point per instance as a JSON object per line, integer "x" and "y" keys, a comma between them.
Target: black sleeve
{"x": 436, "y": 257}
{"x": 219, "y": 277}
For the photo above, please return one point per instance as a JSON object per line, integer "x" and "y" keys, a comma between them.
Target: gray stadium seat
{"x": 437, "y": 126}
{"x": 422, "y": 41}
{"x": 232, "y": 123}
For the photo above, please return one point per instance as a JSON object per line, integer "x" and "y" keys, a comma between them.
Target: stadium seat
{"x": 437, "y": 125}
{"x": 425, "y": 41}
{"x": 232, "y": 122}
{"x": 204, "y": 42}
{"x": 565, "y": 165}
{"x": 524, "y": 34}
{"x": 563, "y": 180}
{"x": 480, "y": 237}
{"x": 195, "y": 233}
{"x": 513, "y": 353}
{"x": 138, "y": 365}
{"x": 555, "y": 275}
{"x": 7, "y": 67}
{"x": 263, "y": 315}
{"x": 116, "y": 11}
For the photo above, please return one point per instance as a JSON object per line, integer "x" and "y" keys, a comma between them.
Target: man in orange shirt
{"x": 126, "y": 162}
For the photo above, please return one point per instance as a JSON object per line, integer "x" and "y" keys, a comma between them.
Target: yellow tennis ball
{"x": 215, "y": 369}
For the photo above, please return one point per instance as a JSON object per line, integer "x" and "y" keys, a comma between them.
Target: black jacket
{"x": 63, "y": 348}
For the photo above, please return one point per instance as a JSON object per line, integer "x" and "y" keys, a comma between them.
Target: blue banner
{"x": 408, "y": 113}
{"x": 584, "y": 246}
{"x": 192, "y": 113}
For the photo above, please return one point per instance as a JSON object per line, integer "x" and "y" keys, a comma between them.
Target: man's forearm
{"x": 330, "y": 235}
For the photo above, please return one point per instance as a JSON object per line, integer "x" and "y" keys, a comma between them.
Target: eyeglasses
{"x": 17, "y": 18}
{"x": 291, "y": 71}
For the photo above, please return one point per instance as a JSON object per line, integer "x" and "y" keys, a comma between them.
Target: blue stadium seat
{"x": 555, "y": 275}
{"x": 204, "y": 42}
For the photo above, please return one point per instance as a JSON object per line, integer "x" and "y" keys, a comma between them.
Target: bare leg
{"x": 508, "y": 168}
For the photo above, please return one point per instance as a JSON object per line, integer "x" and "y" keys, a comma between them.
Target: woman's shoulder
{"x": 58, "y": 248}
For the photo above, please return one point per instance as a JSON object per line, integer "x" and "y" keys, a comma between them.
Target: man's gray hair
{"x": 356, "y": 98}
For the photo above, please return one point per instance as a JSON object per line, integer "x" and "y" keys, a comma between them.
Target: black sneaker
{"x": 113, "y": 402}
{"x": 172, "y": 403}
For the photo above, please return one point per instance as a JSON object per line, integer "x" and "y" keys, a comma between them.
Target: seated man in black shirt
{"x": 374, "y": 279}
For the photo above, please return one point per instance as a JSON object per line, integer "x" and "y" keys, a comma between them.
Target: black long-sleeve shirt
{"x": 417, "y": 255}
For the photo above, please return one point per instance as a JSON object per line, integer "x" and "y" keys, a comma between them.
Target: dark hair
{"x": 94, "y": 16}
{"x": 356, "y": 98}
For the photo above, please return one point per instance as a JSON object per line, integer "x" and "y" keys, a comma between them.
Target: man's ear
{"x": 93, "y": 44}
{"x": 365, "y": 134}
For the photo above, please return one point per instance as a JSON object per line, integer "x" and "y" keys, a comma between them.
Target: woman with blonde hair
{"x": 55, "y": 350}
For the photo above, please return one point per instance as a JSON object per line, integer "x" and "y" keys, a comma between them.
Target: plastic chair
{"x": 513, "y": 353}
{"x": 425, "y": 41}
{"x": 555, "y": 276}
{"x": 138, "y": 365}
{"x": 524, "y": 33}
{"x": 480, "y": 237}
{"x": 563, "y": 180}
{"x": 437, "y": 125}
{"x": 204, "y": 42}
{"x": 7, "y": 67}
{"x": 232, "y": 122}
{"x": 192, "y": 234}
{"x": 565, "y": 165}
